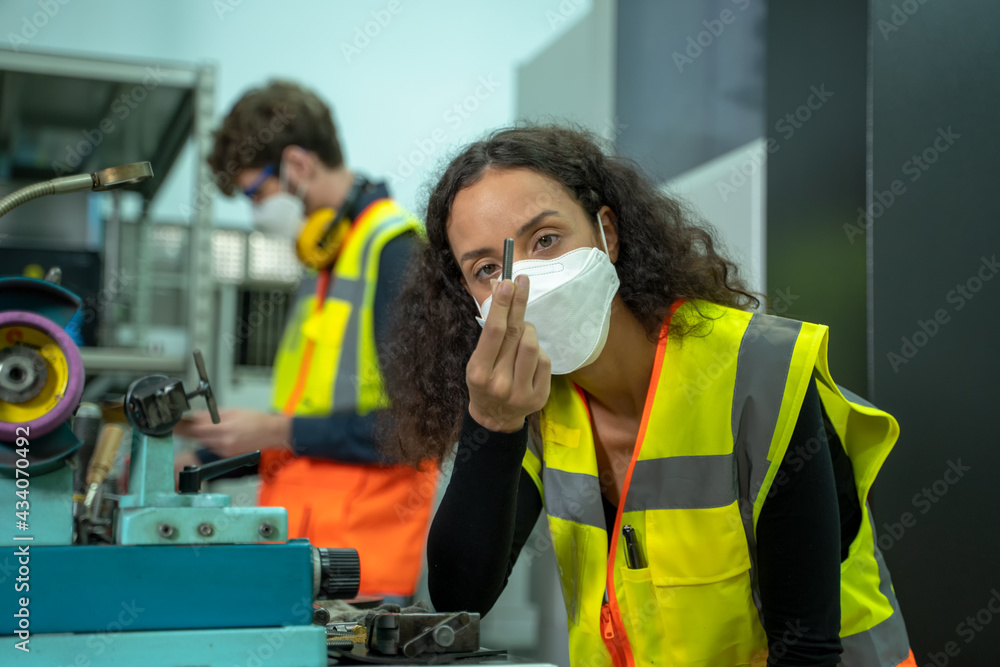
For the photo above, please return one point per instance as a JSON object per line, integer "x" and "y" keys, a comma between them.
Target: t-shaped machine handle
{"x": 154, "y": 404}
{"x": 204, "y": 388}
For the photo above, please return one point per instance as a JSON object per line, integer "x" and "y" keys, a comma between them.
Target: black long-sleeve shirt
{"x": 804, "y": 530}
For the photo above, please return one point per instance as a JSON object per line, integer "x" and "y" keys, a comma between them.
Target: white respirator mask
{"x": 569, "y": 304}
{"x": 282, "y": 213}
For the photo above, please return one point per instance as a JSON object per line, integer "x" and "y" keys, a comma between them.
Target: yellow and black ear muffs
{"x": 324, "y": 231}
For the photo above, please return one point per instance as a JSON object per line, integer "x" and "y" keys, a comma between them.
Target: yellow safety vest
{"x": 720, "y": 411}
{"x": 328, "y": 363}
{"x": 344, "y": 371}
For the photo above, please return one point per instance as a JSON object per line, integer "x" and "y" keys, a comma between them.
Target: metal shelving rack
{"x": 47, "y": 101}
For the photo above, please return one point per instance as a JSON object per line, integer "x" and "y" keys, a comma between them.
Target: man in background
{"x": 279, "y": 147}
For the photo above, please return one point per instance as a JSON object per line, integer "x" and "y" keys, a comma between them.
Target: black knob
{"x": 155, "y": 403}
{"x": 340, "y": 574}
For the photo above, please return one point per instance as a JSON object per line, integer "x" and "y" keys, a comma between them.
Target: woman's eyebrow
{"x": 524, "y": 229}
{"x": 473, "y": 254}
{"x": 534, "y": 222}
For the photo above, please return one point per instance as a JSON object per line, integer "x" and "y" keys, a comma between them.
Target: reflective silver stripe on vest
{"x": 534, "y": 447}
{"x": 761, "y": 372}
{"x": 573, "y": 496}
{"x": 345, "y": 395}
{"x": 682, "y": 483}
{"x": 343, "y": 288}
{"x": 887, "y": 644}
{"x": 346, "y": 380}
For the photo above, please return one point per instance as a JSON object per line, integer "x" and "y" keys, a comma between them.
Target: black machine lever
{"x": 190, "y": 479}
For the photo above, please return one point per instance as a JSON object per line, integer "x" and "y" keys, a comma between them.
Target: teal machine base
{"x": 188, "y": 581}
{"x": 50, "y": 515}
{"x": 298, "y": 646}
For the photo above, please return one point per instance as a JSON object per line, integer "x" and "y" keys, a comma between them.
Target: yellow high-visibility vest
{"x": 328, "y": 363}
{"x": 721, "y": 408}
{"x": 344, "y": 371}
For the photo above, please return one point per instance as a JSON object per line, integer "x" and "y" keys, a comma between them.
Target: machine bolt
{"x": 266, "y": 530}
{"x": 205, "y": 530}
{"x": 444, "y": 636}
{"x": 321, "y": 615}
{"x": 165, "y": 530}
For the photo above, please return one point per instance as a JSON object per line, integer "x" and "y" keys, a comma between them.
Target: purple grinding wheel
{"x": 74, "y": 384}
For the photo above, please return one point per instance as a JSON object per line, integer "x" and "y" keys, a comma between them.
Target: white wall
{"x": 392, "y": 96}
{"x": 729, "y": 193}
{"x": 573, "y": 80}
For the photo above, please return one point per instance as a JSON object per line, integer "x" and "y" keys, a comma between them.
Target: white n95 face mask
{"x": 569, "y": 304}
{"x": 282, "y": 213}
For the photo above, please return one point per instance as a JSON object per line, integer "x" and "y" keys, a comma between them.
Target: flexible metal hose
{"x": 24, "y": 195}
{"x": 56, "y": 186}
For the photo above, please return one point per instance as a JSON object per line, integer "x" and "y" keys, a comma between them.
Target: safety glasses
{"x": 265, "y": 173}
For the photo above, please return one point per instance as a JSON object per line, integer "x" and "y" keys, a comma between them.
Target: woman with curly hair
{"x": 703, "y": 477}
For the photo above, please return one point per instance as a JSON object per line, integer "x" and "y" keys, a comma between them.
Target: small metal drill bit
{"x": 508, "y": 260}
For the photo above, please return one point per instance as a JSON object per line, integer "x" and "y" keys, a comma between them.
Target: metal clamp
{"x": 441, "y": 635}
{"x": 412, "y": 634}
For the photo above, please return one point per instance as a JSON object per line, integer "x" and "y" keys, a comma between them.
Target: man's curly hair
{"x": 265, "y": 121}
{"x": 662, "y": 257}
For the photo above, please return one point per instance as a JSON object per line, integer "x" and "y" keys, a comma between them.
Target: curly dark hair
{"x": 265, "y": 121}
{"x": 662, "y": 257}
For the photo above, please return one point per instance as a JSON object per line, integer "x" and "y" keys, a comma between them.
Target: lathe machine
{"x": 161, "y": 576}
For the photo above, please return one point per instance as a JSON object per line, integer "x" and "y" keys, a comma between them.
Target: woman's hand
{"x": 509, "y": 376}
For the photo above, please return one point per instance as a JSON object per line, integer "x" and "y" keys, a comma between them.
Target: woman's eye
{"x": 487, "y": 270}
{"x": 546, "y": 241}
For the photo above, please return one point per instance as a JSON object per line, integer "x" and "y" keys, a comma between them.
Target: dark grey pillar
{"x": 690, "y": 80}
{"x": 816, "y": 114}
{"x": 935, "y": 237}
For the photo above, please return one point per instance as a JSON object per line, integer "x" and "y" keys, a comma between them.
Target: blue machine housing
{"x": 217, "y": 604}
{"x": 131, "y": 588}
{"x": 37, "y": 296}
